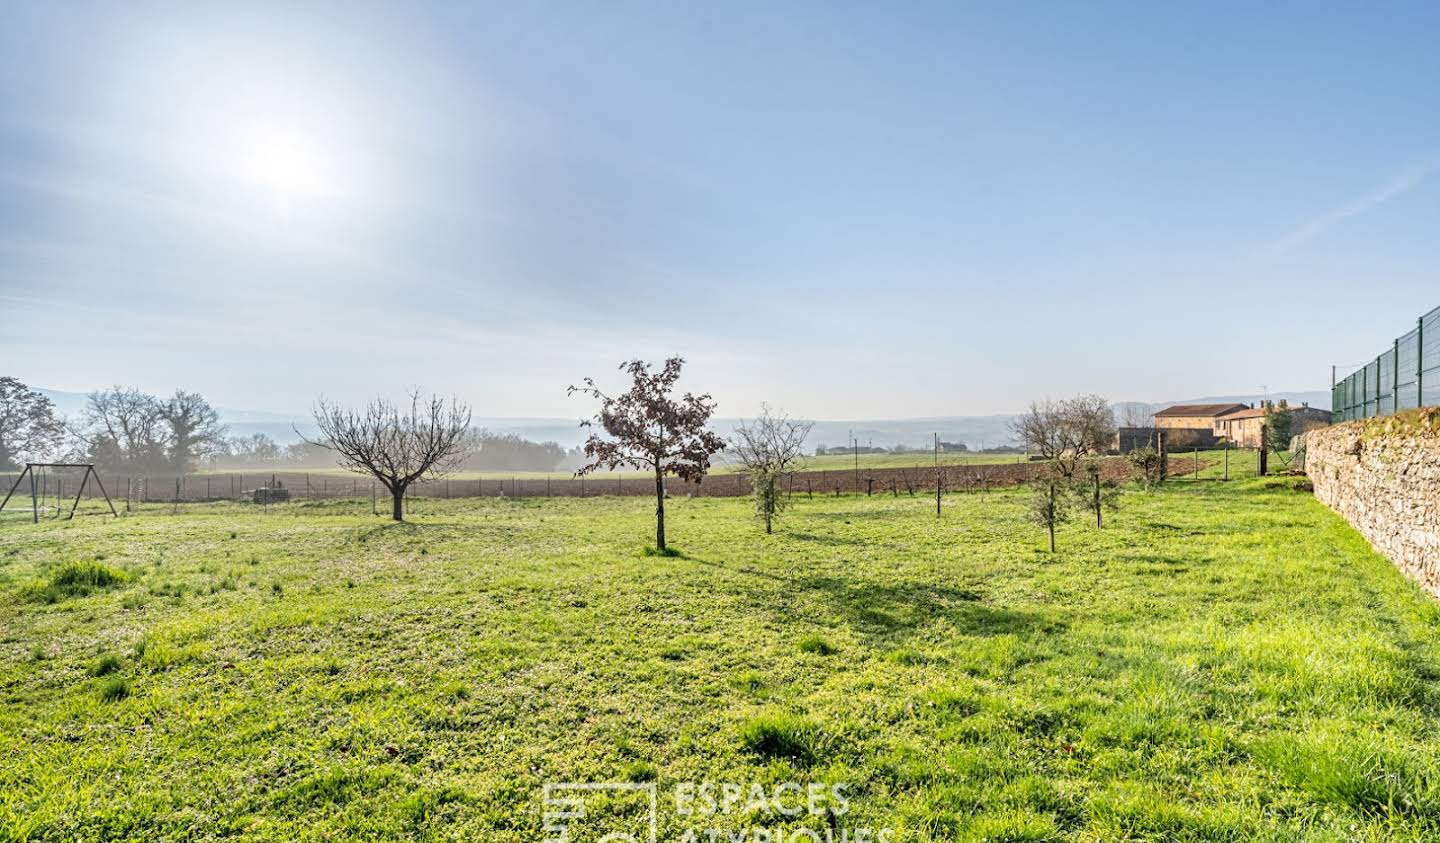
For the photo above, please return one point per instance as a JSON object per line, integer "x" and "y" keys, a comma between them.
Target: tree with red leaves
{"x": 649, "y": 430}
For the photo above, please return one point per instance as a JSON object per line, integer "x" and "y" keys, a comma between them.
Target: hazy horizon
{"x": 844, "y": 211}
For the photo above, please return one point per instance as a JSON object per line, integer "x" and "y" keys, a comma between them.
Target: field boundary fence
{"x": 1402, "y": 377}
{"x": 301, "y": 486}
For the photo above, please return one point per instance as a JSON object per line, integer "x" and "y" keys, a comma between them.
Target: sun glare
{"x": 287, "y": 163}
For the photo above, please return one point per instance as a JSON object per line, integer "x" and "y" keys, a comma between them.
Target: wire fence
{"x": 55, "y": 488}
{"x": 1403, "y": 377}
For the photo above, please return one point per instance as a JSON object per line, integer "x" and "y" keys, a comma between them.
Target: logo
{"x": 588, "y": 812}
{"x": 703, "y": 812}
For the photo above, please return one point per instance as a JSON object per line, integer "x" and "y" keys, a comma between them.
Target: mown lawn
{"x": 1222, "y": 662}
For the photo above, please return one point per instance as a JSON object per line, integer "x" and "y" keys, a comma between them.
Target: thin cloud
{"x": 1397, "y": 186}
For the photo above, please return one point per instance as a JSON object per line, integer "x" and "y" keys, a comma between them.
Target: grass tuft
{"x": 1358, "y": 772}
{"x": 114, "y": 689}
{"x": 73, "y": 579}
{"x": 781, "y": 735}
{"x": 817, "y": 644}
{"x": 651, "y": 550}
{"x": 107, "y": 664}
{"x": 639, "y": 771}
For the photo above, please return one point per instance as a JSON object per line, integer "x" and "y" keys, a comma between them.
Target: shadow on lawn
{"x": 884, "y": 611}
{"x": 887, "y": 614}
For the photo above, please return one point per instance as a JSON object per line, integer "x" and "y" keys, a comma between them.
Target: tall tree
{"x": 770, "y": 447}
{"x": 123, "y": 429}
{"x": 195, "y": 429}
{"x": 28, "y": 427}
{"x": 395, "y": 445}
{"x": 647, "y": 429}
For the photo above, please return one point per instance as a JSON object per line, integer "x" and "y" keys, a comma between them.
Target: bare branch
{"x": 394, "y": 444}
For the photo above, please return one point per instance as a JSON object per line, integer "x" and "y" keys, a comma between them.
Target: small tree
{"x": 28, "y": 427}
{"x": 1095, "y": 492}
{"x": 649, "y": 430}
{"x": 394, "y": 445}
{"x": 769, "y": 448}
{"x": 1067, "y": 432}
{"x": 1147, "y": 465}
{"x": 1048, "y": 506}
{"x": 1278, "y": 423}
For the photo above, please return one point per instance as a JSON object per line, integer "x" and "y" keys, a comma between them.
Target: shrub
{"x": 1147, "y": 466}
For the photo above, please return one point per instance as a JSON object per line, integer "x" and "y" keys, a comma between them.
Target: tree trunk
{"x": 659, "y": 510}
{"x": 1053, "y": 515}
{"x": 1098, "y": 521}
{"x": 767, "y": 523}
{"x": 398, "y": 498}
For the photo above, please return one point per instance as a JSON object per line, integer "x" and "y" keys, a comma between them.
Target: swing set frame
{"x": 30, "y": 471}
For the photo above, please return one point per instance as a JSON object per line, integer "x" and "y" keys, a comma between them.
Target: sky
{"x": 846, "y": 210}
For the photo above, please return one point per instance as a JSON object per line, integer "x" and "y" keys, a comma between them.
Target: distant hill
{"x": 974, "y": 431}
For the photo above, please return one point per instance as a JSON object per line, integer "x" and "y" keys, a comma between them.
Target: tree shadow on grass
{"x": 830, "y": 540}
{"x": 428, "y": 529}
{"x": 886, "y": 610}
{"x": 888, "y": 614}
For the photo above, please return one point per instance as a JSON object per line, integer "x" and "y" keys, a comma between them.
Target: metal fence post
{"x": 1420, "y": 362}
{"x": 1379, "y": 365}
{"x": 1395, "y": 377}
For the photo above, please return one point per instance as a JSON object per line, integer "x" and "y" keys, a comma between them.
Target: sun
{"x": 286, "y": 162}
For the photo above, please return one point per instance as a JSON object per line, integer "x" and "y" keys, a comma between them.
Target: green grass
{"x": 1225, "y": 661}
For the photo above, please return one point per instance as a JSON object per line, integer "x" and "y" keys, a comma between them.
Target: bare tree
{"x": 649, "y": 430}
{"x": 1135, "y": 414}
{"x": 28, "y": 427}
{"x": 195, "y": 429}
{"x": 769, "y": 448}
{"x": 255, "y": 449}
{"x": 122, "y": 427}
{"x": 394, "y": 445}
{"x": 1066, "y": 432}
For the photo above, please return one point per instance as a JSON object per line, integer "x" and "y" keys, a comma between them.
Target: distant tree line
{"x": 120, "y": 429}
{"x": 485, "y": 451}
{"x": 123, "y": 430}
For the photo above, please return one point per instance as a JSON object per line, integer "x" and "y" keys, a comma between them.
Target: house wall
{"x": 1185, "y": 422}
{"x": 1383, "y": 476}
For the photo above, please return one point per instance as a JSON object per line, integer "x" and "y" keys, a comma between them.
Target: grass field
{"x": 1225, "y": 661}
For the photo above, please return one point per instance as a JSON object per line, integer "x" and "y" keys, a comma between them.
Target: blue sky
{"x": 849, "y": 210}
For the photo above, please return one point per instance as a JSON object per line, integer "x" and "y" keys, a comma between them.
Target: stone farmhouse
{"x": 1243, "y": 428}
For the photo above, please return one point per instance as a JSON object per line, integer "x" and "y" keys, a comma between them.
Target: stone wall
{"x": 1383, "y": 476}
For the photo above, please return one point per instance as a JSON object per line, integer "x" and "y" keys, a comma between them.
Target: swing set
{"x": 40, "y": 488}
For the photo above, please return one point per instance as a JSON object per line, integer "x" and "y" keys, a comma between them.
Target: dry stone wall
{"x": 1383, "y": 476}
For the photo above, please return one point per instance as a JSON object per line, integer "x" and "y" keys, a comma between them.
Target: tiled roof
{"x": 1208, "y": 410}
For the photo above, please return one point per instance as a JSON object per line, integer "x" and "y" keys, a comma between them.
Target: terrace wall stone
{"x": 1383, "y": 476}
